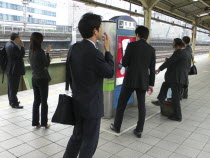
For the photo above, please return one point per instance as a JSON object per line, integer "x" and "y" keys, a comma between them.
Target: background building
{"x": 38, "y": 13}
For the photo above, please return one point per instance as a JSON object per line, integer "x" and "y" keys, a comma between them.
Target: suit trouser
{"x": 40, "y": 88}
{"x": 176, "y": 89}
{"x": 185, "y": 92}
{"x": 122, "y": 103}
{"x": 84, "y": 139}
{"x": 13, "y": 84}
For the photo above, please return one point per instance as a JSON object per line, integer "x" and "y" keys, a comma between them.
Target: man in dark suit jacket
{"x": 88, "y": 68}
{"x": 176, "y": 77}
{"x": 188, "y": 49}
{"x": 15, "y": 67}
{"x": 140, "y": 61}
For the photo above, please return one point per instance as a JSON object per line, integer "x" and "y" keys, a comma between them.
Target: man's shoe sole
{"x": 17, "y": 107}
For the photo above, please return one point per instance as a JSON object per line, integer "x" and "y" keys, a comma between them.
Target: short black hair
{"x": 178, "y": 42}
{"x": 186, "y": 39}
{"x": 14, "y": 35}
{"x": 142, "y": 31}
{"x": 88, "y": 23}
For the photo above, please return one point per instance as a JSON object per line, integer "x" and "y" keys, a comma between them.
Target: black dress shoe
{"x": 136, "y": 133}
{"x": 112, "y": 127}
{"x": 17, "y": 107}
{"x": 174, "y": 118}
{"x": 157, "y": 103}
{"x": 15, "y": 104}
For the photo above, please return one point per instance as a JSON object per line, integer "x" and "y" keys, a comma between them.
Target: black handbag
{"x": 193, "y": 69}
{"x": 64, "y": 113}
{"x": 167, "y": 108}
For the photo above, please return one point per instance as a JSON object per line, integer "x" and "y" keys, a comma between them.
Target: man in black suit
{"x": 176, "y": 77}
{"x": 140, "y": 61}
{"x": 88, "y": 68}
{"x": 188, "y": 49}
{"x": 15, "y": 68}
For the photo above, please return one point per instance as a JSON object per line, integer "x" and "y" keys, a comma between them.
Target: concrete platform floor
{"x": 162, "y": 138}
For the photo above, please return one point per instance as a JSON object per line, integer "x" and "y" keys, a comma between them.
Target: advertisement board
{"x": 121, "y": 47}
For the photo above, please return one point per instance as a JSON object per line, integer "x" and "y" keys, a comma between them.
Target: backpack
{"x": 3, "y": 61}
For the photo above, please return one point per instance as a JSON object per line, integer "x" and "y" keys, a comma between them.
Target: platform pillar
{"x": 147, "y": 20}
{"x": 209, "y": 50}
{"x": 194, "y": 33}
{"x": 148, "y": 5}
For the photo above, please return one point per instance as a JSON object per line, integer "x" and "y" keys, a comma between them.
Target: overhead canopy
{"x": 191, "y": 11}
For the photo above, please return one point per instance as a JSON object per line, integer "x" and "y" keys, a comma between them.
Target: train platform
{"x": 162, "y": 138}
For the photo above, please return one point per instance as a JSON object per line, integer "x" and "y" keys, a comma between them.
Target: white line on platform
{"x": 129, "y": 128}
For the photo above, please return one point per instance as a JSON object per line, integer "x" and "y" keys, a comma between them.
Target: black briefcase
{"x": 167, "y": 108}
{"x": 193, "y": 70}
{"x": 64, "y": 113}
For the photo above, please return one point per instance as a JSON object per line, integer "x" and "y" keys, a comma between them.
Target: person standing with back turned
{"x": 88, "y": 67}
{"x": 15, "y": 68}
{"x": 188, "y": 49}
{"x": 140, "y": 61}
{"x": 39, "y": 61}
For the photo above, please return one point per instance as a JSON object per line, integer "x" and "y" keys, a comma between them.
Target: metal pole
{"x": 194, "y": 32}
{"x": 73, "y": 32}
{"x": 4, "y": 27}
{"x": 209, "y": 50}
{"x": 25, "y": 3}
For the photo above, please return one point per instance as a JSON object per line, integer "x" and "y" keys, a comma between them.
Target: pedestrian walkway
{"x": 162, "y": 138}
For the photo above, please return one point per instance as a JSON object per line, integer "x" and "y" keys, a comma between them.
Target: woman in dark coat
{"x": 39, "y": 61}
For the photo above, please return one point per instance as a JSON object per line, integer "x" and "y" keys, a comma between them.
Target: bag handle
{"x": 192, "y": 59}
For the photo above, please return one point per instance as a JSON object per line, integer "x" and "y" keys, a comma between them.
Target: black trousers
{"x": 84, "y": 139}
{"x": 40, "y": 88}
{"x": 13, "y": 84}
{"x": 176, "y": 89}
{"x": 184, "y": 92}
{"x": 125, "y": 94}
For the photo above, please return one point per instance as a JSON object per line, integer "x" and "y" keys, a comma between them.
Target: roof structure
{"x": 191, "y": 11}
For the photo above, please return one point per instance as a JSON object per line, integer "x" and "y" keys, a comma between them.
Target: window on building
{"x": 11, "y": 6}
{"x": 44, "y": 3}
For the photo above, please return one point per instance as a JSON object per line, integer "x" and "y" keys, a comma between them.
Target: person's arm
{"x": 104, "y": 64}
{"x": 22, "y": 50}
{"x": 126, "y": 57}
{"x": 172, "y": 60}
{"x": 68, "y": 71}
{"x": 46, "y": 57}
{"x": 152, "y": 74}
{"x": 152, "y": 70}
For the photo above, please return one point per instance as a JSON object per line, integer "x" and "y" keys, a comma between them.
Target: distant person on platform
{"x": 188, "y": 49}
{"x": 15, "y": 67}
{"x": 88, "y": 67}
{"x": 40, "y": 61}
{"x": 176, "y": 77}
{"x": 140, "y": 61}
